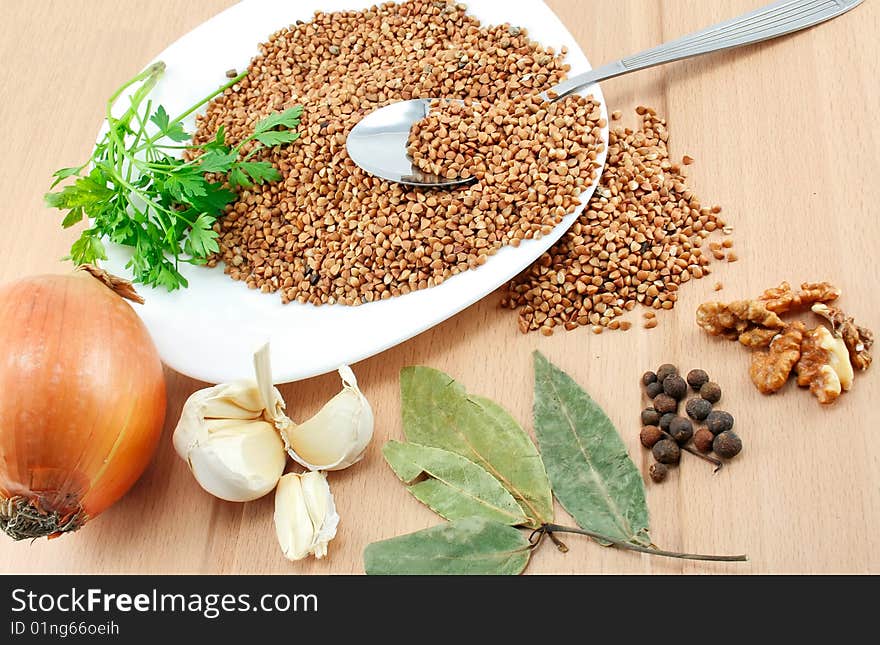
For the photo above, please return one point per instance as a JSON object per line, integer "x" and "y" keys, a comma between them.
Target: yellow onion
{"x": 82, "y": 400}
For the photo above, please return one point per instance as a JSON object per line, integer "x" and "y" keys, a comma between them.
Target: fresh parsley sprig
{"x": 136, "y": 191}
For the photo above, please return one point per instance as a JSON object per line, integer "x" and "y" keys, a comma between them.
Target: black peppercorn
{"x": 666, "y": 451}
{"x": 664, "y": 403}
{"x": 698, "y": 408}
{"x": 697, "y": 378}
{"x": 666, "y": 419}
{"x": 681, "y": 430}
{"x": 675, "y": 386}
{"x": 650, "y": 417}
{"x": 711, "y": 392}
{"x": 703, "y": 440}
{"x": 658, "y": 472}
{"x": 653, "y": 389}
{"x": 719, "y": 421}
{"x": 648, "y": 378}
{"x": 667, "y": 369}
{"x": 726, "y": 445}
{"x": 650, "y": 435}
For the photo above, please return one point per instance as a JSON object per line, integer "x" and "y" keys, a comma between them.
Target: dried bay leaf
{"x": 438, "y": 412}
{"x": 457, "y": 488}
{"x": 589, "y": 467}
{"x": 472, "y": 546}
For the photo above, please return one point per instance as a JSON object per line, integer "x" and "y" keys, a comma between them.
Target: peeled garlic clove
{"x": 237, "y": 458}
{"x": 337, "y": 436}
{"x": 305, "y": 515}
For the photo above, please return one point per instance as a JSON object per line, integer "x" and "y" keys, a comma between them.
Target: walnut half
{"x": 770, "y": 370}
{"x": 734, "y": 319}
{"x": 824, "y": 365}
{"x": 783, "y": 299}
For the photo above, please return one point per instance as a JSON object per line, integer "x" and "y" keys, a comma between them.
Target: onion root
{"x": 23, "y": 519}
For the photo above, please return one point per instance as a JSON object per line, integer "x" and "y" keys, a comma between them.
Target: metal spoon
{"x": 378, "y": 142}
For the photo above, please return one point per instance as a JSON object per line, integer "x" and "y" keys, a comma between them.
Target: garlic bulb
{"x": 337, "y": 436}
{"x": 305, "y": 515}
{"x": 230, "y": 437}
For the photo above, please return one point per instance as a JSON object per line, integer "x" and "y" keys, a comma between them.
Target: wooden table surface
{"x": 785, "y": 136}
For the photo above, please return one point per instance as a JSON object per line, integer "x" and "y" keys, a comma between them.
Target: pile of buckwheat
{"x": 528, "y": 147}
{"x": 637, "y": 241}
{"x": 330, "y": 233}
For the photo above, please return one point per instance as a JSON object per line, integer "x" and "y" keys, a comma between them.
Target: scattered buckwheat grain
{"x": 637, "y": 241}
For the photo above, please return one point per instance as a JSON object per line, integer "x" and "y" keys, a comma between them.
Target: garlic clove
{"x": 238, "y": 461}
{"x": 338, "y": 435}
{"x": 272, "y": 402}
{"x": 229, "y": 435}
{"x": 305, "y": 515}
{"x": 236, "y": 400}
{"x": 322, "y": 510}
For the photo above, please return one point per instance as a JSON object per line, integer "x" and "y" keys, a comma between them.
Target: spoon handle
{"x": 774, "y": 20}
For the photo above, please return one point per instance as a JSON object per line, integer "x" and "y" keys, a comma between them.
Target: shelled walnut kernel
{"x": 823, "y": 360}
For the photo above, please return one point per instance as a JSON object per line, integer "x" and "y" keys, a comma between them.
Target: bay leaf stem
{"x": 550, "y": 529}
{"x": 563, "y": 548}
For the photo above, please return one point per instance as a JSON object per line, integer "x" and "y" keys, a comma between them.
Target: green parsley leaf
{"x": 260, "y": 171}
{"x": 160, "y": 118}
{"x": 217, "y": 161}
{"x": 202, "y": 240}
{"x": 289, "y": 119}
{"x": 185, "y": 183}
{"x": 73, "y": 216}
{"x": 237, "y": 178}
{"x": 219, "y": 142}
{"x": 214, "y": 201}
{"x": 276, "y": 137}
{"x": 173, "y": 131}
{"x": 87, "y": 249}
{"x": 64, "y": 173}
{"x": 89, "y": 191}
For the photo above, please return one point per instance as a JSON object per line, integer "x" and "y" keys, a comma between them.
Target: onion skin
{"x": 82, "y": 401}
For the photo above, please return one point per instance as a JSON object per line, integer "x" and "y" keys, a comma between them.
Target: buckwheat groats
{"x": 637, "y": 241}
{"x": 330, "y": 233}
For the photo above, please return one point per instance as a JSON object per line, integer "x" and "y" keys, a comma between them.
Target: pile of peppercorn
{"x": 666, "y": 433}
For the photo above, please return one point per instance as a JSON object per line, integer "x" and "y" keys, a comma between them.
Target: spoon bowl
{"x": 378, "y": 142}
{"x": 378, "y": 145}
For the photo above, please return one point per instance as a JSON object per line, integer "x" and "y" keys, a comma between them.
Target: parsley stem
{"x": 151, "y": 74}
{"x": 216, "y": 92}
{"x": 117, "y": 150}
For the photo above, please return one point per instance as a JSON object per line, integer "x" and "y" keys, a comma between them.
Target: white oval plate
{"x": 210, "y": 330}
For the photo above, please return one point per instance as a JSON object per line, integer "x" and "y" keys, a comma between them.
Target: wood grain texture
{"x": 785, "y": 137}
